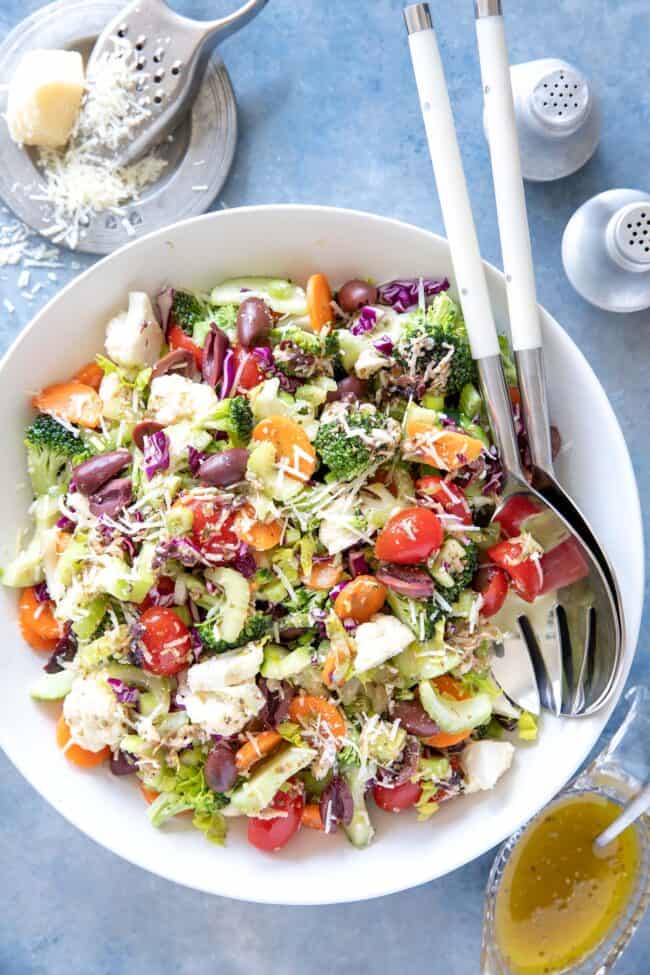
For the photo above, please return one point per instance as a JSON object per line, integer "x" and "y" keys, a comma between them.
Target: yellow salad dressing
{"x": 557, "y": 899}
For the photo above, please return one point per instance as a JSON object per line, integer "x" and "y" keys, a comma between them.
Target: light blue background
{"x": 328, "y": 115}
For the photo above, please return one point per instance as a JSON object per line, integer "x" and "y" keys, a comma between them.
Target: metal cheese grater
{"x": 170, "y": 53}
{"x": 558, "y": 118}
{"x": 606, "y": 250}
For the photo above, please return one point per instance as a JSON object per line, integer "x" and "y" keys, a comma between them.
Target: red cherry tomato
{"x": 527, "y": 576}
{"x": 563, "y": 565}
{"x": 178, "y": 339}
{"x": 273, "y": 834}
{"x": 164, "y": 587}
{"x": 410, "y": 536}
{"x": 492, "y": 583}
{"x": 252, "y": 374}
{"x": 515, "y": 512}
{"x": 401, "y": 797}
{"x": 212, "y": 527}
{"x": 448, "y": 495}
{"x": 167, "y": 641}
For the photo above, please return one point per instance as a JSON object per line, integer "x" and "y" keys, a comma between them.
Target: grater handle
{"x": 219, "y": 30}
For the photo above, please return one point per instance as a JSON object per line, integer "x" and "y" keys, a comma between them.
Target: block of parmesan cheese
{"x": 44, "y": 97}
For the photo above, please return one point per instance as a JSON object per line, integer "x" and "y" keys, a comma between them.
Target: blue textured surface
{"x": 328, "y": 114}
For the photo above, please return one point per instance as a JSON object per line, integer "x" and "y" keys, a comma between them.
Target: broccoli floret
{"x": 298, "y": 352}
{"x": 348, "y": 453}
{"x": 187, "y": 311}
{"x": 434, "y": 348}
{"x": 235, "y": 417}
{"x": 254, "y": 629}
{"x": 52, "y": 452}
{"x": 454, "y": 567}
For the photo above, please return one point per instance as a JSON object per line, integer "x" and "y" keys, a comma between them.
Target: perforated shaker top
{"x": 632, "y": 232}
{"x": 560, "y": 99}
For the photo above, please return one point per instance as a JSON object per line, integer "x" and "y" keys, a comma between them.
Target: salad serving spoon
{"x": 525, "y": 329}
{"x": 584, "y": 625}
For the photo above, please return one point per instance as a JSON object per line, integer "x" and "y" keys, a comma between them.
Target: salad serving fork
{"x": 575, "y": 653}
{"x": 524, "y": 315}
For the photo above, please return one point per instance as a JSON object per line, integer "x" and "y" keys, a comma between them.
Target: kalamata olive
{"x": 214, "y": 352}
{"x": 336, "y": 805}
{"x": 220, "y": 769}
{"x": 92, "y": 474}
{"x": 179, "y": 361}
{"x": 64, "y": 651}
{"x": 356, "y": 293}
{"x": 414, "y": 718}
{"x": 112, "y": 497}
{"x": 292, "y": 633}
{"x": 556, "y": 441}
{"x": 145, "y": 428}
{"x": 122, "y": 764}
{"x": 254, "y": 322}
{"x": 349, "y": 388}
{"x": 225, "y": 468}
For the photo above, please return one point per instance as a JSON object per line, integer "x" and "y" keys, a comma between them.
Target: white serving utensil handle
{"x": 508, "y": 181}
{"x": 450, "y": 181}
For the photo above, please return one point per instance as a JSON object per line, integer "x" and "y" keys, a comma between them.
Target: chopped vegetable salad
{"x": 269, "y": 557}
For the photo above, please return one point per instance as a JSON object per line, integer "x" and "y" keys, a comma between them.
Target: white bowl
{"x": 295, "y": 241}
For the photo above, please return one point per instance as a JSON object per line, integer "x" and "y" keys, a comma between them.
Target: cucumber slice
{"x": 280, "y": 295}
{"x": 454, "y": 716}
{"x": 52, "y": 687}
{"x": 93, "y": 615}
{"x": 360, "y": 830}
{"x": 280, "y": 663}
{"x": 255, "y": 794}
{"x": 236, "y": 594}
{"x": 451, "y": 553}
{"x": 422, "y": 661}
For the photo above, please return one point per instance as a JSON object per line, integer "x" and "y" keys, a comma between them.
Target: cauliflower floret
{"x": 220, "y": 694}
{"x": 134, "y": 337}
{"x": 226, "y": 711}
{"x": 226, "y": 669}
{"x": 116, "y": 397}
{"x": 484, "y": 762}
{"x": 369, "y": 362}
{"x": 381, "y": 638}
{"x": 93, "y": 714}
{"x": 174, "y": 398}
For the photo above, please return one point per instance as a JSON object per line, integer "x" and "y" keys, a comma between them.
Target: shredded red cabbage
{"x": 122, "y": 691}
{"x": 228, "y": 375}
{"x": 156, "y": 453}
{"x": 365, "y": 322}
{"x": 41, "y": 593}
{"x": 183, "y": 549}
{"x": 194, "y": 459}
{"x": 263, "y": 354}
{"x": 357, "y": 563}
{"x": 403, "y": 294}
{"x": 337, "y": 589}
{"x": 384, "y": 344}
{"x": 245, "y": 562}
{"x": 66, "y": 524}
